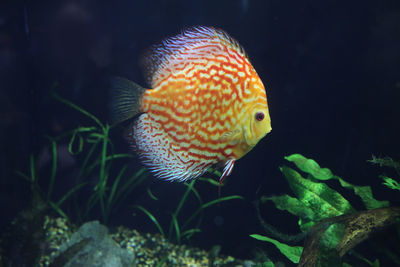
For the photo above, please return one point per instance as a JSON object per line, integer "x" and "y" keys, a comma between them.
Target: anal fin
{"x": 163, "y": 156}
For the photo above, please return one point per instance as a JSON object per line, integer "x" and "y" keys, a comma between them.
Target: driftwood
{"x": 358, "y": 227}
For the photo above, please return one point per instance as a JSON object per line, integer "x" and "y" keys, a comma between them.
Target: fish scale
{"x": 203, "y": 106}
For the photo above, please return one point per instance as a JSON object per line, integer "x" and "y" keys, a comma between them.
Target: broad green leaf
{"x": 376, "y": 263}
{"x": 265, "y": 264}
{"x": 332, "y": 236}
{"x": 365, "y": 193}
{"x": 292, "y": 205}
{"x": 310, "y": 166}
{"x": 324, "y": 201}
{"x": 292, "y": 253}
{"x": 305, "y": 224}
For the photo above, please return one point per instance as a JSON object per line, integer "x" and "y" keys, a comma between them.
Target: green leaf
{"x": 71, "y": 143}
{"x": 319, "y": 197}
{"x": 58, "y": 209}
{"x": 386, "y": 162}
{"x": 208, "y": 204}
{"x": 152, "y": 218}
{"x": 115, "y": 186}
{"x": 391, "y": 183}
{"x": 188, "y": 233}
{"x": 23, "y": 175}
{"x": 365, "y": 193}
{"x": 176, "y": 227}
{"x": 70, "y": 193}
{"x": 210, "y": 181}
{"x": 332, "y": 236}
{"x": 81, "y": 110}
{"x": 151, "y": 195}
{"x": 33, "y": 169}
{"x": 292, "y": 205}
{"x": 310, "y": 166}
{"x": 218, "y": 200}
{"x": 265, "y": 264}
{"x": 292, "y": 253}
{"x": 53, "y": 168}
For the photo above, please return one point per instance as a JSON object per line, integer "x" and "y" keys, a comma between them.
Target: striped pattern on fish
{"x": 202, "y": 109}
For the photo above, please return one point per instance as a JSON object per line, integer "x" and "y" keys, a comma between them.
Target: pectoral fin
{"x": 231, "y": 136}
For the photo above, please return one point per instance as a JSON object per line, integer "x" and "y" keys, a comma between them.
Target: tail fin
{"x": 125, "y": 99}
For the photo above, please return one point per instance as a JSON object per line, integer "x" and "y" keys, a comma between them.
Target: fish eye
{"x": 260, "y": 116}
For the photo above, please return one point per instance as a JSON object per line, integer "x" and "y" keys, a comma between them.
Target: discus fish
{"x": 207, "y": 106}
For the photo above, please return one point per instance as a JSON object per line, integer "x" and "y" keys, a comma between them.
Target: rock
{"x": 91, "y": 246}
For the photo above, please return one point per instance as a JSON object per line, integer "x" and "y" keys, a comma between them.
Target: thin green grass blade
{"x": 152, "y": 218}
{"x": 82, "y": 171}
{"x": 118, "y": 156}
{"x": 93, "y": 199}
{"x": 58, "y": 210}
{"x": 184, "y": 197}
{"x": 115, "y": 186}
{"x": 151, "y": 195}
{"x": 32, "y": 169}
{"x": 162, "y": 261}
{"x": 196, "y": 193}
{"x": 23, "y": 175}
{"x": 208, "y": 204}
{"x": 81, "y": 110}
{"x": 210, "y": 181}
{"x": 132, "y": 182}
{"x": 102, "y": 176}
{"x": 107, "y": 159}
{"x": 69, "y": 193}
{"x": 218, "y": 200}
{"x": 53, "y": 169}
{"x": 180, "y": 205}
{"x": 72, "y": 141}
{"x": 176, "y": 227}
{"x": 214, "y": 171}
{"x": 188, "y": 233}
{"x": 122, "y": 194}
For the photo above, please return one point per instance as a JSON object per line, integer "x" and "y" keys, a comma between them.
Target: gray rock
{"x": 91, "y": 246}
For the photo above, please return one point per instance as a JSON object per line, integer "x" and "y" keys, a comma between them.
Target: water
{"x": 331, "y": 71}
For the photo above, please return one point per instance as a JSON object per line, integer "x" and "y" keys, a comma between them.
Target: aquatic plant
{"x": 392, "y": 183}
{"x": 178, "y": 230}
{"x": 329, "y": 223}
{"x": 95, "y": 162}
{"x": 93, "y": 149}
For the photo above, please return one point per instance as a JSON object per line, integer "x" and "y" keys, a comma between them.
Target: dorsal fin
{"x": 166, "y": 57}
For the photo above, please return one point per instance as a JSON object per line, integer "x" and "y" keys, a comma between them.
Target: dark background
{"x": 331, "y": 71}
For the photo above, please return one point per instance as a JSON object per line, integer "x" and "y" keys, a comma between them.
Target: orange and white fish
{"x": 207, "y": 105}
